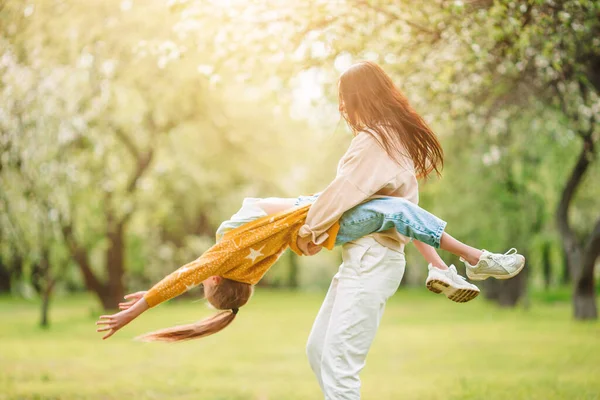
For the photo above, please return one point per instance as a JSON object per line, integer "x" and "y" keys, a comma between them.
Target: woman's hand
{"x": 313, "y": 249}
{"x": 133, "y": 298}
{"x": 112, "y": 323}
{"x": 307, "y": 246}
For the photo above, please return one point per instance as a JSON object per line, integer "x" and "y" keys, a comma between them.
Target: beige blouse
{"x": 364, "y": 172}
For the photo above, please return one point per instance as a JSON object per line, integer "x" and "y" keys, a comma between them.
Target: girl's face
{"x": 211, "y": 283}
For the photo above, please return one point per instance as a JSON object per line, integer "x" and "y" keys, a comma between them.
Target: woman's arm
{"x": 366, "y": 169}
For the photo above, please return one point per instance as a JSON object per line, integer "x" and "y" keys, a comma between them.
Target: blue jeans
{"x": 381, "y": 214}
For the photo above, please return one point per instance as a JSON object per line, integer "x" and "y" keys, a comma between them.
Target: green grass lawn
{"x": 427, "y": 348}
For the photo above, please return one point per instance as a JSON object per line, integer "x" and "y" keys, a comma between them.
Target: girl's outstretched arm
{"x": 112, "y": 323}
{"x": 133, "y": 298}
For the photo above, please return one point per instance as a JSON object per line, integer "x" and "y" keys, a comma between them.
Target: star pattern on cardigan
{"x": 254, "y": 254}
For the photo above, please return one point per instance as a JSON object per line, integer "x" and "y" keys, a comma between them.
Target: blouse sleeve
{"x": 366, "y": 169}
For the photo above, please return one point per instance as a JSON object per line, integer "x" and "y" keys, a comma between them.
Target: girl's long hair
{"x": 228, "y": 295}
{"x": 370, "y": 102}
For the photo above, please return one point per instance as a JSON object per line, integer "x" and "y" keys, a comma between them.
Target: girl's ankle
{"x": 472, "y": 260}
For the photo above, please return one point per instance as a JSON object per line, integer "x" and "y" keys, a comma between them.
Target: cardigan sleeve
{"x": 184, "y": 278}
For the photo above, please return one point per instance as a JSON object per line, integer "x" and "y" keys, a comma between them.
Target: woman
{"x": 392, "y": 146}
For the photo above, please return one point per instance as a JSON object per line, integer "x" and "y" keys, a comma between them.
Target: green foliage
{"x": 105, "y": 120}
{"x": 508, "y": 85}
{"x": 166, "y": 115}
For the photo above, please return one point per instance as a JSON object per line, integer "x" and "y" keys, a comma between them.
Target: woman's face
{"x": 341, "y": 107}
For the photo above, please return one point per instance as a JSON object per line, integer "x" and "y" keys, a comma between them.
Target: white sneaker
{"x": 499, "y": 266}
{"x": 451, "y": 284}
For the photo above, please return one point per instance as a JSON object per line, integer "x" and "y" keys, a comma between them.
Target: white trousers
{"x": 349, "y": 317}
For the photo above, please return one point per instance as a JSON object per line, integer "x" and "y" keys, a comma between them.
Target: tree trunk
{"x": 547, "y": 265}
{"x": 565, "y": 278}
{"x": 47, "y": 284}
{"x": 584, "y": 293}
{"x": 491, "y": 289}
{"x": 44, "y": 322}
{"x": 5, "y": 277}
{"x": 581, "y": 260}
{"x": 115, "y": 265}
{"x": 45, "y": 311}
{"x": 584, "y": 300}
{"x": 81, "y": 257}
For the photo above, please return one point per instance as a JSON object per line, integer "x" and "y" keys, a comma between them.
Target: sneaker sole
{"x": 501, "y": 277}
{"x": 456, "y": 295}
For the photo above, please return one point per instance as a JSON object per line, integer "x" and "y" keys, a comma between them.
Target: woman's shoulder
{"x": 372, "y": 140}
{"x": 367, "y": 138}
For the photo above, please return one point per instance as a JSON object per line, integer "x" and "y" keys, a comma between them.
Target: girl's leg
{"x": 412, "y": 221}
{"x": 379, "y": 215}
{"x": 458, "y": 248}
{"x": 481, "y": 264}
{"x": 444, "y": 280}
{"x": 430, "y": 255}
{"x": 369, "y": 275}
{"x": 272, "y": 205}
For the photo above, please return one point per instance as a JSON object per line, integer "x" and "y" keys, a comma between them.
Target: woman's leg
{"x": 316, "y": 339}
{"x": 369, "y": 275}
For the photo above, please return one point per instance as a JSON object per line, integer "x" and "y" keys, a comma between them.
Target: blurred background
{"x": 130, "y": 129}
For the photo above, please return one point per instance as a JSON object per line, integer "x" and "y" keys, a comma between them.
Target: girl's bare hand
{"x": 133, "y": 298}
{"x": 112, "y": 323}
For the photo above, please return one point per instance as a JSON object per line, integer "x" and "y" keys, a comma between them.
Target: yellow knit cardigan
{"x": 244, "y": 254}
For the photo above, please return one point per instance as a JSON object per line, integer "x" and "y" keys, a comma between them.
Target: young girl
{"x": 251, "y": 241}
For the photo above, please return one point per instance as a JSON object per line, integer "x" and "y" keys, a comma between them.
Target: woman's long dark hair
{"x": 370, "y": 102}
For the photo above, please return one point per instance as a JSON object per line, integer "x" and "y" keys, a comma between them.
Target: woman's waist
{"x": 383, "y": 239}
